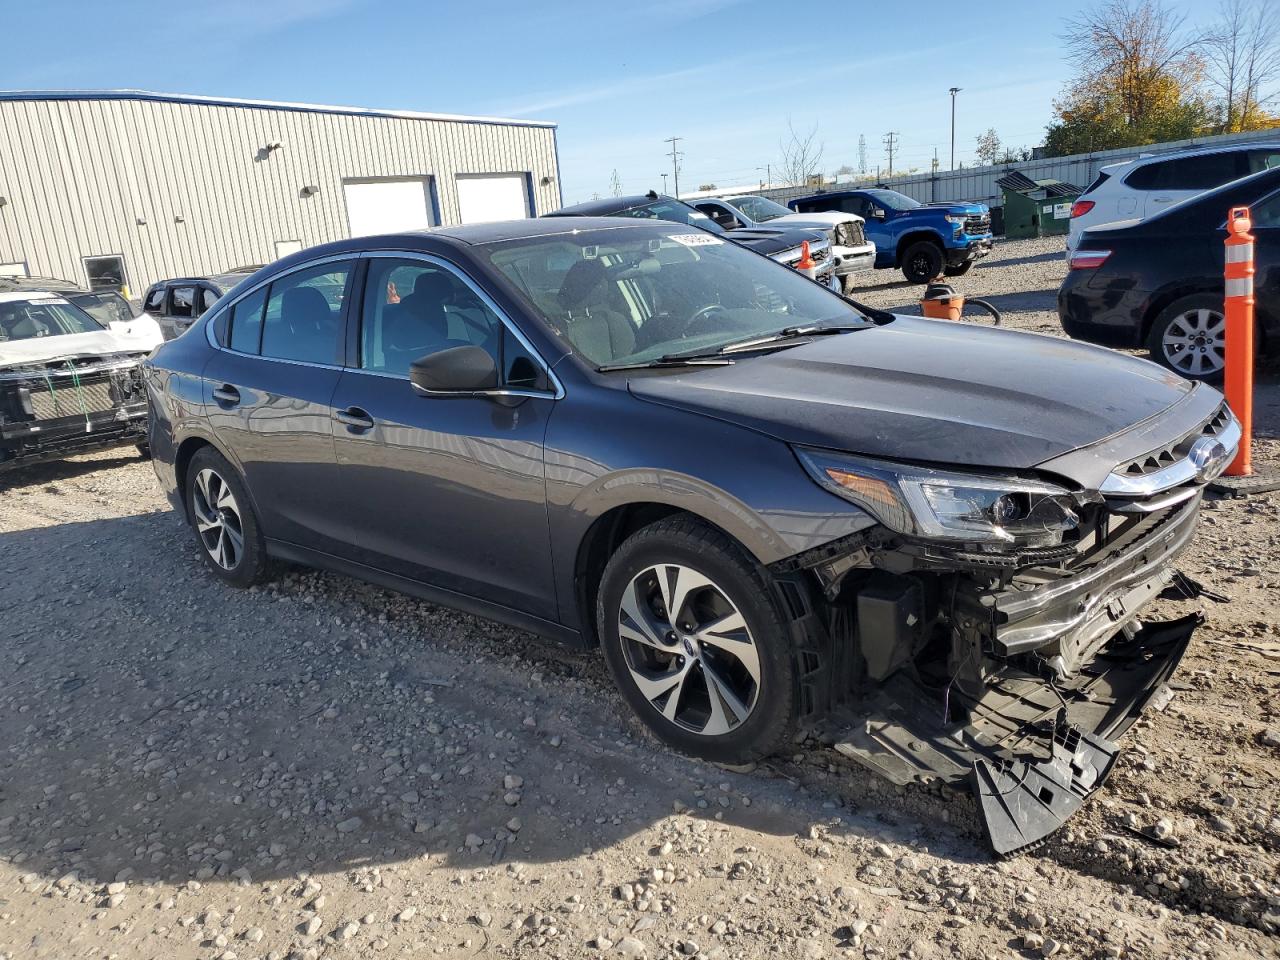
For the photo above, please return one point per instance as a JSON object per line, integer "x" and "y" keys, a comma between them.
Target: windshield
{"x": 893, "y": 199}
{"x": 27, "y": 319}
{"x": 629, "y": 296}
{"x": 674, "y": 211}
{"x": 759, "y": 209}
{"x": 106, "y": 308}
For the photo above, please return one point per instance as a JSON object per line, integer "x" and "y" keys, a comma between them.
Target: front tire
{"x": 1190, "y": 337}
{"x": 922, "y": 261}
{"x": 222, "y": 517}
{"x": 695, "y": 642}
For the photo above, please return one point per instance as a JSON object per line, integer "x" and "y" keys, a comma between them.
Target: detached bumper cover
{"x": 1033, "y": 752}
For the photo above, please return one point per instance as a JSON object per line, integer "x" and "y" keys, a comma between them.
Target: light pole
{"x": 664, "y": 183}
{"x": 954, "y": 91}
{"x": 768, "y": 175}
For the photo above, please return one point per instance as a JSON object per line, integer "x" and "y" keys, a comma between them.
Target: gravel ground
{"x": 319, "y": 767}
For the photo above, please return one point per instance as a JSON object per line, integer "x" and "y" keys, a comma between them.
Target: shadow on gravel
{"x": 1022, "y": 261}
{"x": 51, "y": 471}
{"x": 157, "y": 724}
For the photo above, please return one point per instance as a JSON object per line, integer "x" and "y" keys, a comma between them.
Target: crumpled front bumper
{"x": 1032, "y": 750}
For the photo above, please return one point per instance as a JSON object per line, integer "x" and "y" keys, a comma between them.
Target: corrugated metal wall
{"x": 78, "y": 174}
{"x": 978, "y": 183}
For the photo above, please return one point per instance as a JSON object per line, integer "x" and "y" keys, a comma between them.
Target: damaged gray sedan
{"x": 767, "y": 505}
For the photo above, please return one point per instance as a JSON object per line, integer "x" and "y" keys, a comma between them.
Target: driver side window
{"x": 413, "y": 308}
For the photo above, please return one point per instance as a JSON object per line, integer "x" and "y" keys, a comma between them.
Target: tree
{"x": 1011, "y": 155}
{"x": 988, "y": 147}
{"x": 706, "y": 186}
{"x": 615, "y": 183}
{"x": 801, "y": 156}
{"x": 1138, "y": 76}
{"x": 1242, "y": 63}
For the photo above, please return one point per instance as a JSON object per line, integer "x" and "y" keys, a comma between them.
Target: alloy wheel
{"x": 1194, "y": 343}
{"x": 688, "y": 649}
{"x": 218, "y": 519}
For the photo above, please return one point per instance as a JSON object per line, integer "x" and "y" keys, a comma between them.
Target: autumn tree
{"x": 1242, "y": 64}
{"x": 615, "y": 183}
{"x": 1139, "y": 70}
{"x": 988, "y": 148}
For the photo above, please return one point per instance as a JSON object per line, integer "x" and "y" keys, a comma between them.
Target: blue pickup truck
{"x": 925, "y": 240}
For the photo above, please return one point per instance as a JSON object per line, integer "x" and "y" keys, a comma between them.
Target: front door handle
{"x": 355, "y": 418}
{"x": 226, "y": 394}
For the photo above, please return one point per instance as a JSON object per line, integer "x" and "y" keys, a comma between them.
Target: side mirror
{"x": 457, "y": 370}
{"x": 877, "y": 212}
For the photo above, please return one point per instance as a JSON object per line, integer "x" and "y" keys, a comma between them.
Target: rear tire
{"x": 223, "y": 520}
{"x": 1189, "y": 337}
{"x": 958, "y": 269}
{"x": 922, "y": 261}
{"x": 716, "y": 679}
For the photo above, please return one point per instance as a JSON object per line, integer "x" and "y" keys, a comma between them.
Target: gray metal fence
{"x": 978, "y": 183}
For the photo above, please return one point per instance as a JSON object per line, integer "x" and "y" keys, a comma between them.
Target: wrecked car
{"x": 766, "y": 505}
{"x": 69, "y": 383}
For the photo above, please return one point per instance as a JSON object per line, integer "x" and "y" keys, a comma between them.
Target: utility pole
{"x": 768, "y": 175}
{"x": 862, "y": 153}
{"x": 890, "y": 145}
{"x": 953, "y": 91}
{"x": 675, "y": 163}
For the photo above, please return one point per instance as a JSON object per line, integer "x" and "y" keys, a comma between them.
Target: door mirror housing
{"x": 877, "y": 212}
{"x": 457, "y": 371}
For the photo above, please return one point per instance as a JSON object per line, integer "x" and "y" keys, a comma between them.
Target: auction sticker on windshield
{"x": 696, "y": 239}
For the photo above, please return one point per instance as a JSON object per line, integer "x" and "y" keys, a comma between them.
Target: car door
{"x": 1265, "y": 215}
{"x": 449, "y": 491}
{"x": 268, "y": 394}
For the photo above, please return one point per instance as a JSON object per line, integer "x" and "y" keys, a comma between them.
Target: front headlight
{"x": 939, "y": 504}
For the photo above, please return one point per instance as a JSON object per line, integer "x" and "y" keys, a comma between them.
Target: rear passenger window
{"x": 246, "y": 322}
{"x": 1260, "y": 160}
{"x": 207, "y": 299}
{"x": 183, "y": 303}
{"x": 1200, "y": 172}
{"x": 304, "y": 312}
{"x": 155, "y": 301}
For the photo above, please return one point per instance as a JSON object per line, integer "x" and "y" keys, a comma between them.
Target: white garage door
{"x": 388, "y": 206}
{"x": 484, "y": 197}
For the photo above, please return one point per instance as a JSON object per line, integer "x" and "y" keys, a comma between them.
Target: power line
{"x": 890, "y": 146}
{"x": 675, "y": 163}
{"x": 862, "y": 153}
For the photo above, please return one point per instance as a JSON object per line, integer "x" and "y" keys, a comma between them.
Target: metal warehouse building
{"x": 128, "y": 187}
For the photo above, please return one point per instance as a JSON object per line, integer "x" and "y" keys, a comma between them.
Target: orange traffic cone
{"x": 805, "y": 264}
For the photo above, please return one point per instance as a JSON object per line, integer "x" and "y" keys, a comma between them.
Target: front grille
{"x": 68, "y": 400}
{"x": 977, "y": 224}
{"x": 1173, "y": 452}
{"x": 819, "y": 256}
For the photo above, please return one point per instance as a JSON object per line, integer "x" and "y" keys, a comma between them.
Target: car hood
{"x": 931, "y": 391}
{"x": 817, "y": 221}
{"x": 773, "y": 241}
{"x": 141, "y": 335}
{"x": 958, "y": 209}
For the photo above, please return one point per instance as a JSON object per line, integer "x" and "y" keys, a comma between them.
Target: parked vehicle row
{"x": 851, "y": 251}
{"x": 783, "y": 244}
{"x": 1158, "y": 282}
{"x": 178, "y": 303}
{"x": 765, "y": 505}
{"x": 923, "y": 240}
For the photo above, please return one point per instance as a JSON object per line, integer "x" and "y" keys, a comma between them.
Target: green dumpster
{"x": 1036, "y": 208}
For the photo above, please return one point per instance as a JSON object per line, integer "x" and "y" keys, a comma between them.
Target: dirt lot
{"x": 319, "y": 767}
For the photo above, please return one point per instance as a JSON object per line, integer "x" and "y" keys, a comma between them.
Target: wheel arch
{"x": 187, "y": 449}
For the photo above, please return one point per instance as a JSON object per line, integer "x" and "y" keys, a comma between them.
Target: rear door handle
{"x": 226, "y": 394}
{"x": 355, "y": 418}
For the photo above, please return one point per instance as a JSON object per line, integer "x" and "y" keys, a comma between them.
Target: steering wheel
{"x": 701, "y": 316}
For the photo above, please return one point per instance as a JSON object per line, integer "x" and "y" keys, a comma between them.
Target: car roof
{"x": 40, "y": 283}
{"x": 1193, "y": 152}
{"x": 18, "y": 296}
{"x": 608, "y": 205}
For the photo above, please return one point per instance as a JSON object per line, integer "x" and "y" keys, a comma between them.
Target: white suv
{"x": 1139, "y": 188}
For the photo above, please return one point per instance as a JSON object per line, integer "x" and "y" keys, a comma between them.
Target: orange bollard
{"x": 1239, "y": 333}
{"x": 805, "y": 264}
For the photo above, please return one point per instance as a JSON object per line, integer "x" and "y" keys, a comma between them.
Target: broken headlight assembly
{"x": 995, "y": 512}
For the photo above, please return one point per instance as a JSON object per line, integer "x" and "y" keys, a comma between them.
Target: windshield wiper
{"x": 789, "y": 333}
{"x": 671, "y": 360}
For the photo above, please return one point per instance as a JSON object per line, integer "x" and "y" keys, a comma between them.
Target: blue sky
{"x": 727, "y": 75}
